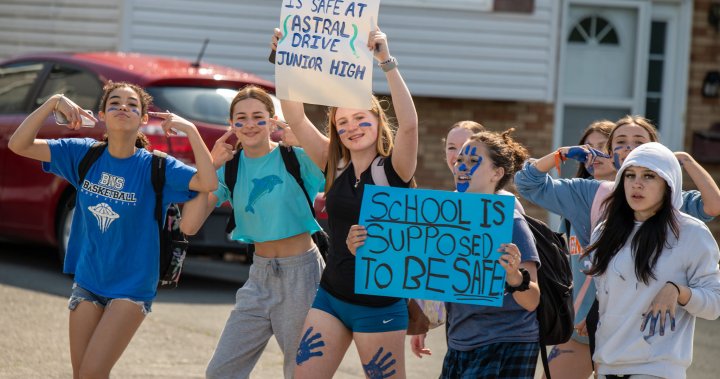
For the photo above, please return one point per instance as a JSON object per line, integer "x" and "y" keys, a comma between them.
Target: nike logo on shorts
{"x": 386, "y": 321}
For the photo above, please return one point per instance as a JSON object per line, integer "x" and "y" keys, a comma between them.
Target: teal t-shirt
{"x": 267, "y": 201}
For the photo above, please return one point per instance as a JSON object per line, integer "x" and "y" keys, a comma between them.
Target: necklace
{"x": 357, "y": 181}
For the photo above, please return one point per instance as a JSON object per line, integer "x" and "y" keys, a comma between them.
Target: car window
{"x": 16, "y": 81}
{"x": 80, "y": 86}
{"x": 206, "y": 104}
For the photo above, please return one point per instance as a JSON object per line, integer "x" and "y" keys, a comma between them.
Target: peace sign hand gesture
{"x": 173, "y": 123}
{"x": 222, "y": 151}
{"x": 283, "y": 133}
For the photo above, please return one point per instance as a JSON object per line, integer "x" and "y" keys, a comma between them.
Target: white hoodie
{"x": 690, "y": 260}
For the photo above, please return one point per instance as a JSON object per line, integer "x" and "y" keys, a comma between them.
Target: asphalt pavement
{"x": 178, "y": 338}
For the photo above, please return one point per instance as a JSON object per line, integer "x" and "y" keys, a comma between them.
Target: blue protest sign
{"x": 435, "y": 245}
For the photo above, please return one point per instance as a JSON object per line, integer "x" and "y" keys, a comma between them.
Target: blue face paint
{"x": 261, "y": 123}
{"x": 378, "y": 368}
{"x": 341, "y": 131}
{"x": 239, "y": 124}
{"x": 307, "y": 345}
{"x": 616, "y": 157}
{"x": 365, "y": 125}
{"x": 112, "y": 109}
{"x": 137, "y": 112}
{"x": 462, "y": 187}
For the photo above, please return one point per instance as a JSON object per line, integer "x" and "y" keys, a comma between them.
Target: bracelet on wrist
{"x": 674, "y": 285}
{"x": 523, "y": 286}
{"x": 388, "y": 64}
{"x": 57, "y": 102}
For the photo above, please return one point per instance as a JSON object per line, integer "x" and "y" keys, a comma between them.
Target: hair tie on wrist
{"x": 58, "y": 102}
{"x": 674, "y": 285}
{"x": 559, "y": 158}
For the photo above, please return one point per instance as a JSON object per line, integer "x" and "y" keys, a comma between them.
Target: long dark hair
{"x": 647, "y": 244}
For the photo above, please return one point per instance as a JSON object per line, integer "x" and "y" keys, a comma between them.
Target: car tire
{"x": 65, "y": 218}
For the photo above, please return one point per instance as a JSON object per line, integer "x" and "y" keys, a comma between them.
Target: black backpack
{"x": 173, "y": 244}
{"x": 292, "y": 165}
{"x": 555, "y": 313}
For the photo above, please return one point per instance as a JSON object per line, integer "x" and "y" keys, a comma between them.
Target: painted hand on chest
{"x": 261, "y": 187}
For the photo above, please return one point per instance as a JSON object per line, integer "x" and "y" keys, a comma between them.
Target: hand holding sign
{"x": 222, "y": 151}
{"x": 356, "y": 237}
{"x": 510, "y": 261}
{"x": 377, "y": 42}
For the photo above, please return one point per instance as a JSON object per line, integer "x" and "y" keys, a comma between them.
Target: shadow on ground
{"x": 37, "y": 268}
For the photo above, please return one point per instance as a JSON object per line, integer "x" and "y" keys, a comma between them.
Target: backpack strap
{"x": 377, "y": 170}
{"x": 157, "y": 177}
{"x": 292, "y": 165}
{"x": 596, "y": 209}
{"x": 231, "y": 172}
{"x": 90, "y": 157}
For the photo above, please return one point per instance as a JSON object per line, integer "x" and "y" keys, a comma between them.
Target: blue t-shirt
{"x": 267, "y": 201}
{"x": 473, "y": 326}
{"x": 114, "y": 245}
{"x": 573, "y": 198}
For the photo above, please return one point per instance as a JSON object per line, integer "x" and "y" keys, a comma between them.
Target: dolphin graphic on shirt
{"x": 261, "y": 187}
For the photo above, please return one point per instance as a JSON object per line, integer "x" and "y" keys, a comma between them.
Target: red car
{"x": 34, "y": 204}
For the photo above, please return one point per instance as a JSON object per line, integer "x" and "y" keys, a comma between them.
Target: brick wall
{"x": 533, "y": 123}
{"x": 702, "y": 112}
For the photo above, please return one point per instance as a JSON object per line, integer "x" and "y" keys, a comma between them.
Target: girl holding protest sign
{"x": 358, "y": 139}
{"x": 656, "y": 264}
{"x": 457, "y": 135}
{"x": 114, "y": 242}
{"x": 489, "y": 341}
{"x": 287, "y": 265}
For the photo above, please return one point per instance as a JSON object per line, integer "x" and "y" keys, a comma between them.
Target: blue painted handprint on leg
{"x": 307, "y": 345}
{"x": 378, "y": 369}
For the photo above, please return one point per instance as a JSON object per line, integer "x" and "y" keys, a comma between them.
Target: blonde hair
{"x": 339, "y": 154}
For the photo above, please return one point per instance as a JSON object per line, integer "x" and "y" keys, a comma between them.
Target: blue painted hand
{"x": 584, "y": 154}
{"x": 378, "y": 369}
{"x": 307, "y": 345}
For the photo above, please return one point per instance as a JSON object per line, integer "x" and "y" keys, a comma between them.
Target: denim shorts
{"x": 81, "y": 294}
{"x": 363, "y": 319}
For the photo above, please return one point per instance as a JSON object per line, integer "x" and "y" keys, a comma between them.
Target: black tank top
{"x": 342, "y": 204}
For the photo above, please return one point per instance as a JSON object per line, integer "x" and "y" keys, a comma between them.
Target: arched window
{"x": 594, "y": 30}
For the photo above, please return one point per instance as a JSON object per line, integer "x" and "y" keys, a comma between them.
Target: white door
{"x": 623, "y": 57}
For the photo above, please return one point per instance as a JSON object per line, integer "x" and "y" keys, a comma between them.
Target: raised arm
{"x": 704, "y": 182}
{"x": 310, "y": 138}
{"x": 205, "y": 180}
{"x": 24, "y": 142}
{"x": 406, "y": 139}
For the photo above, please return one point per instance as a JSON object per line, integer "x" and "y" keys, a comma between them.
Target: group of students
{"x": 629, "y": 225}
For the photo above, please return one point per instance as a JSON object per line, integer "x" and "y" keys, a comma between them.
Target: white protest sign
{"x": 323, "y": 57}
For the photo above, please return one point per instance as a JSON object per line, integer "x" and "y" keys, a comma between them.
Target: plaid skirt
{"x": 499, "y": 360}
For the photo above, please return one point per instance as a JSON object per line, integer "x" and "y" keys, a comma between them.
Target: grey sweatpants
{"x": 274, "y": 300}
